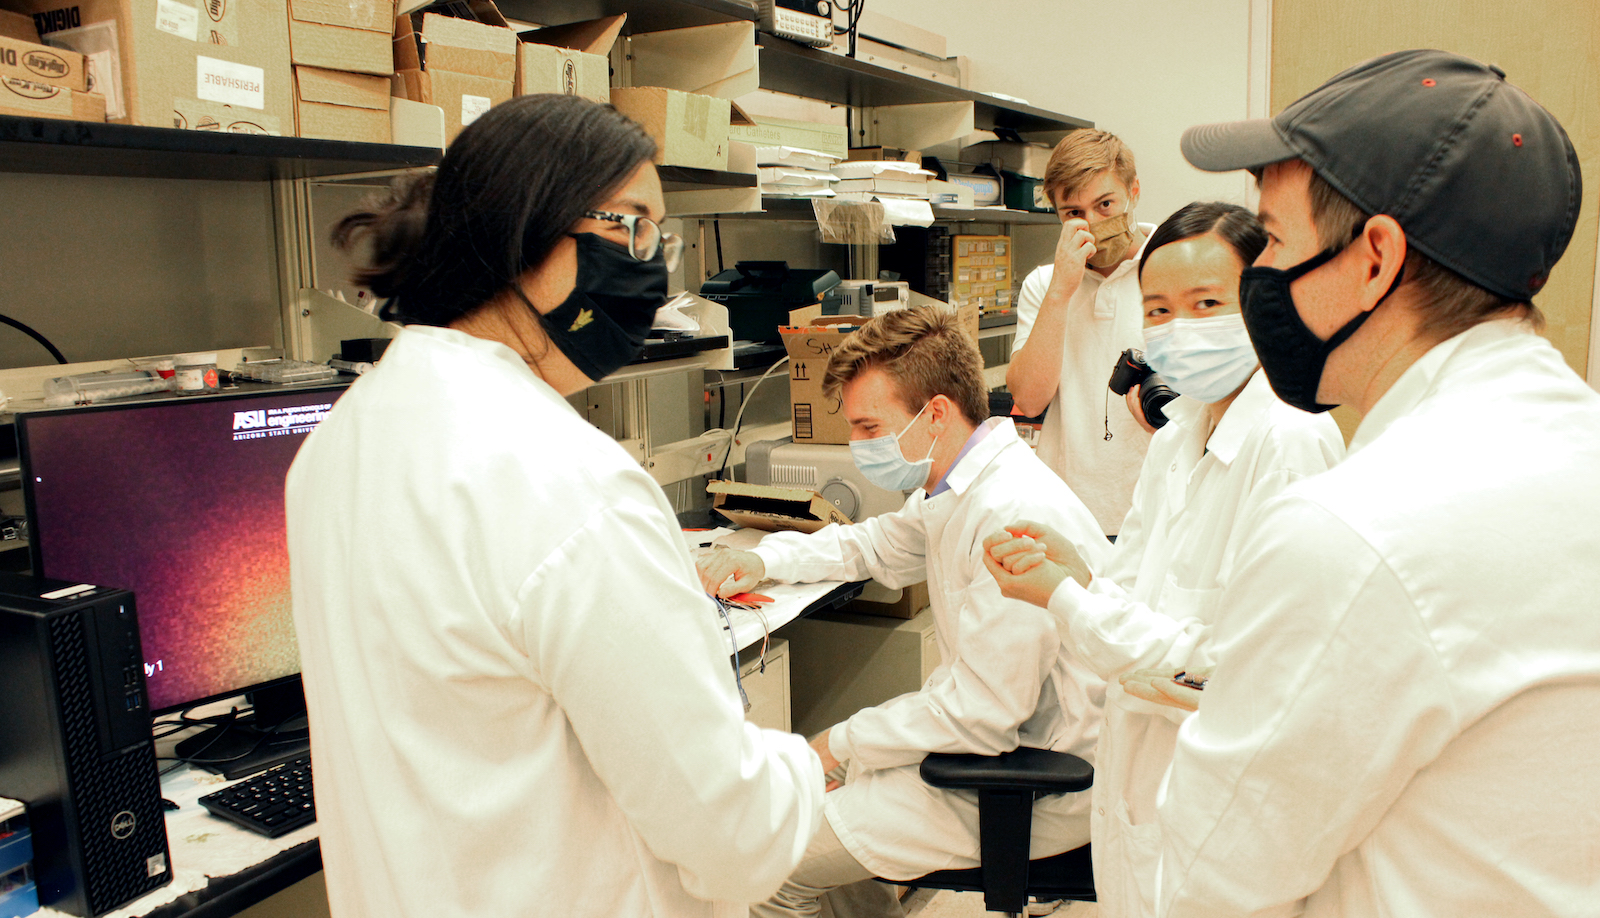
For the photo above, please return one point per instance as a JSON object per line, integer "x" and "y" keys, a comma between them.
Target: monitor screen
{"x": 181, "y": 501}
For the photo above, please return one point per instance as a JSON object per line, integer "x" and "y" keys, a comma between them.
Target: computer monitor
{"x": 181, "y": 501}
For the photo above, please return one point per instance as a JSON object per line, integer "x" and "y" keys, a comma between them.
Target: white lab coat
{"x": 1402, "y": 720}
{"x": 1153, "y": 604}
{"x": 1004, "y": 679}
{"x": 1105, "y": 317}
{"x": 521, "y": 701}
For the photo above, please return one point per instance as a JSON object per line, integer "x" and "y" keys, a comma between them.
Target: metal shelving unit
{"x": 50, "y": 147}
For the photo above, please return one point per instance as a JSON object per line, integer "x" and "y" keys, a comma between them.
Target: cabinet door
{"x": 768, "y": 691}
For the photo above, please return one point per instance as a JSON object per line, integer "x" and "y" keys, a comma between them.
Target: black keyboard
{"x": 275, "y": 802}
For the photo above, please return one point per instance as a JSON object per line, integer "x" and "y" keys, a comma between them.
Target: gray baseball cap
{"x": 1481, "y": 178}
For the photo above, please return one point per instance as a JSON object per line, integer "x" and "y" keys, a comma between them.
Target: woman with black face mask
{"x": 519, "y": 694}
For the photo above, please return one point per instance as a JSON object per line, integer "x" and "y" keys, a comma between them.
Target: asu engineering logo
{"x": 277, "y": 422}
{"x": 123, "y": 824}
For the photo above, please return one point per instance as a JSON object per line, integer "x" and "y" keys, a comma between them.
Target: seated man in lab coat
{"x": 912, "y": 388}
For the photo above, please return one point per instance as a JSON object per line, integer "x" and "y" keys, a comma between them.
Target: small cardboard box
{"x": 570, "y": 59}
{"x": 38, "y": 100}
{"x": 1028, "y": 160}
{"x": 18, "y": 26}
{"x": 35, "y": 63}
{"x": 349, "y": 35}
{"x": 465, "y": 67}
{"x": 817, "y": 417}
{"x": 689, "y": 129}
{"x": 166, "y": 64}
{"x": 773, "y": 509}
{"x": 334, "y": 105}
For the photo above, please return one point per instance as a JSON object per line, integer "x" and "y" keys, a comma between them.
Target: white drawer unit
{"x": 768, "y": 691}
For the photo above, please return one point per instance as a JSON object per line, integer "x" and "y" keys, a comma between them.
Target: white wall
{"x": 1143, "y": 69}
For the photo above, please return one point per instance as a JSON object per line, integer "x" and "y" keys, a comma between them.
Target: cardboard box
{"x": 689, "y": 129}
{"x": 35, "y": 63}
{"x": 350, "y": 35}
{"x": 773, "y": 509}
{"x": 37, "y": 100}
{"x": 545, "y": 68}
{"x": 571, "y": 59}
{"x": 334, "y": 105}
{"x": 1025, "y": 159}
{"x": 463, "y": 66}
{"x": 18, "y": 26}
{"x": 884, "y": 154}
{"x": 711, "y": 60}
{"x": 166, "y": 64}
{"x": 817, "y": 417}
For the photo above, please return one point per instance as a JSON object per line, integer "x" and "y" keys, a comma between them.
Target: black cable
{"x": 60, "y": 358}
{"x": 716, "y": 228}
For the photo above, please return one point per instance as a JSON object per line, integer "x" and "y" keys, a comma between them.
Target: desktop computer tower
{"x": 75, "y": 742}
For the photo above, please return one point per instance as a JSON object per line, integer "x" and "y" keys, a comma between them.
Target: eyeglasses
{"x": 645, "y": 237}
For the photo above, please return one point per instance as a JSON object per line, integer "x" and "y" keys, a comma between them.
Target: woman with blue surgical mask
{"x": 1231, "y": 444}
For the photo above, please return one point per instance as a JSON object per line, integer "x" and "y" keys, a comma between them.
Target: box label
{"x": 472, "y": 107}
{"x": 230, "y": 83}
{"x": 178, "y": 19}
{"x": 28, "y": 89}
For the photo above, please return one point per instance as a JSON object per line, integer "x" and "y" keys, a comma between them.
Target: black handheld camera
{"x": 1154, "y": 393}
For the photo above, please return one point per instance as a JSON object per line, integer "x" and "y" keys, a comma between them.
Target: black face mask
{"x": 602, "y": 324}
{"x": 1291, "y": 355}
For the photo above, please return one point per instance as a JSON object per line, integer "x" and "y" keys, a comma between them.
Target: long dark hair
{"x": 442, "y": 244}
{"x": 1237, "y": 226}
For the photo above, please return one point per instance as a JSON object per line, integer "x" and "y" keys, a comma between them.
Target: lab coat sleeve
{"x": 890, "y": 548}
{"x": 1004, "y": 653}
{"x": 1327, "y": 699}
{"x": 1113, "y": 633}
{"x": 640, "y": 667}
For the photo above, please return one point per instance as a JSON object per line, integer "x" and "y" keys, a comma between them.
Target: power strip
{"x": 816, "y": 31}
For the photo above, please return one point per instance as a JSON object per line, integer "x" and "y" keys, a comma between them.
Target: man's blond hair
{"x": 1082, "y": 155}
{"x": 925, "y": 350}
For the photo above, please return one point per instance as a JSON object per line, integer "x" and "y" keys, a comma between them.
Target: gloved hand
{"x": 727, "y": 572}
{"x": 1159, "y": 686}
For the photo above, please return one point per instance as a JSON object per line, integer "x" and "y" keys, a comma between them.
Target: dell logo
{"x": 122, "y": 824}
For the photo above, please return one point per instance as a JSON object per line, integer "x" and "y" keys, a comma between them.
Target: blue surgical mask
{"x": 884, "y": 465}
{"x": 1205, "y": 359}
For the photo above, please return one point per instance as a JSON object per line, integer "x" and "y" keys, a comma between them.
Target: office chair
{"x": 1007, "y": 786}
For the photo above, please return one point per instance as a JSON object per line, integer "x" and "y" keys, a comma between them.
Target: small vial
{"x": 195, "y": 374}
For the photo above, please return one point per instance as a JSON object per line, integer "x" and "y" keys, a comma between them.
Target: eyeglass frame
{"x": 671, "y": 244}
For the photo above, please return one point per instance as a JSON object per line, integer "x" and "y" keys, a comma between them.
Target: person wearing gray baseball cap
{"x": 1405, "y": 711}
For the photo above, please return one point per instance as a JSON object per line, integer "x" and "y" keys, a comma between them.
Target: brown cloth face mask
{"x": 1112, "y": 238}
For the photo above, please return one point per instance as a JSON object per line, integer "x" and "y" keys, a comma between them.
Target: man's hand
{"x": 727, "y": 573}
{"x": 1074, "y": 248}
{"x": 1137, "y": 410}
{"x": 1029, "y": 561}
{"x": 1158, "y": 685}
{"x": 819, "y": 745}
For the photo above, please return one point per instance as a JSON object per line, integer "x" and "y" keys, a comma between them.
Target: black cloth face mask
{"x": 602, "y": 325}
{"x": 1291, "y": 355}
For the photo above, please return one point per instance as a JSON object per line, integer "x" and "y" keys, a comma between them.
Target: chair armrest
{"x": 1038, "y": 770}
